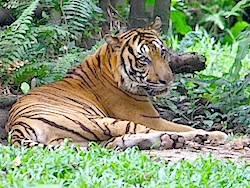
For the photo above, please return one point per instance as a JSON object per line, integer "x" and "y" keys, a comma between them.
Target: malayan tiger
{"x": 106, "y": 99}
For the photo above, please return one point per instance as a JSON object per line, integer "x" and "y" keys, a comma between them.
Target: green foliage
{"x": 179, "y": 20}
{"x": 219, "y": 96}
{"x": 36, "y": 48}
{"x": 243, "y": 51}
{"x": 78, "y": 13}
{"x": 220, "y": 57}
{"x": 222, "y": 19}
{"x": 14, "y": 36}
{"x": 235, "y": 30}
{"x": 25, "y": 87}
{"x": 100, "y": 167}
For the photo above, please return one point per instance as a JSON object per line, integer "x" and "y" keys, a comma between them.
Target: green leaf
{"x": 150, "y": 2}
{"x": 216, "y": 19}
{"x": 243, "y": 49}
{"x": 25, "y": 87}
{"x": 208, "y": 122}
{"x": 180, "y": 23}
{"x": 238, "y": 27}
{"x": 236, "y": 30}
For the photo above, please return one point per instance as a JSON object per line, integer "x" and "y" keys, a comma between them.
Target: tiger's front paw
{"x": 172, "y": 141}
{"x": 217, "y": 136}
{"x": 214, "y": 136}
{"x": 201, "y": 136}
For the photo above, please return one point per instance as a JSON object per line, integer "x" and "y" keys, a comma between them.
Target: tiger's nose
{"x": 165, "y": 79}
{"x": 162, "y": 82}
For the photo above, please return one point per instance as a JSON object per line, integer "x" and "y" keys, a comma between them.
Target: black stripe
{"x": 134, "y": 38}
{"x": 123, "y": 141}
{"x": 130, "y": 49}
{"x": 148, "y": 131}
{"x": 90, "y": 68}
{"x": 93, "y": 121}
{"x": 109, "y": 141}
{"x": 84, "y": 127}
{"x": 87, "y": 130}
{"x": 96, "y": 111}
{"x": 79, "y": 75}
{"x": 135, "y": 126}
{"x": 86, "y": 74}
{"x": 107, "y": 132}
{"x": 18, "y": 131}
{"x": 127, "y": 128}
{"x": 53, "y": 124}
{"x": 128, "y": 34}
{"x": 26, "y": 126}
{"x": 56, "y": 140}
{"x": 98, "y": 58}
{"x": 147, "y": 116}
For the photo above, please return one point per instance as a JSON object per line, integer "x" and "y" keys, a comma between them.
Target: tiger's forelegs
{"x": 146, "y": 141}
{"x": 125, "y": 134}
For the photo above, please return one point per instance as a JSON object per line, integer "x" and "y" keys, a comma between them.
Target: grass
{"x": 100, "y": 167}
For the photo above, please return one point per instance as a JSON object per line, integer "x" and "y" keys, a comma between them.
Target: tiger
{"x": 106, "y": 99}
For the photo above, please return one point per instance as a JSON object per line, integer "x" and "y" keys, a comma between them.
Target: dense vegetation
{"x": 43, "y": 39}
{"x": 49, "y": 37}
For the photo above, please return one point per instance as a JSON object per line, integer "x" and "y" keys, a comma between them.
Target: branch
{"x": 185, "y": 62}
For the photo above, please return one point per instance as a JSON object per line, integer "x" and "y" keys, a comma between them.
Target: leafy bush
{"x": 219, "y": 96}
{"x": 42, "y": 48}
{"x": 222, "y": 19}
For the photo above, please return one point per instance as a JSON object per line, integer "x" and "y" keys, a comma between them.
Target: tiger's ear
{"x": 156, "y": 24}
{"x": 113, "y": 41}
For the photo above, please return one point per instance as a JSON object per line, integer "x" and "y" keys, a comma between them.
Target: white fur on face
{"x": 158, "y": 43}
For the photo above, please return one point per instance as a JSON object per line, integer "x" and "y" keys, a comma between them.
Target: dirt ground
{"x": 236, "y": 150}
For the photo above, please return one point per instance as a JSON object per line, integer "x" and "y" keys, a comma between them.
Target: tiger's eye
{"x": 144, "y": 60}
{"x": 163, "y": 53}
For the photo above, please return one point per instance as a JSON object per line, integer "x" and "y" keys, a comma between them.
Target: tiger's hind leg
{"x": 28, "y": 143}
{"x": 154, "y": 140}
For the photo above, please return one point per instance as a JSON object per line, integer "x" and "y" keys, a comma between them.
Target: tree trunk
{"x": 137, "y": 16}
{"x": 162, "y": 9}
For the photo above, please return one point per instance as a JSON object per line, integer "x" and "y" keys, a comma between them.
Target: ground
{"x": 235, "y": 150}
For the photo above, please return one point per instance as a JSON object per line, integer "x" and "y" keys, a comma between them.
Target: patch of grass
{"x": 100, "y": 167}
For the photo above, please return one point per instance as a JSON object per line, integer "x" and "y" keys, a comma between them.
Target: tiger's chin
{"x": 136, "y": 89}
{"x": 143, "y": 88}
{"x": 157, "y": 93}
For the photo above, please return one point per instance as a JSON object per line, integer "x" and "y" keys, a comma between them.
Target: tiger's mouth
{"x": 156, "y": 90}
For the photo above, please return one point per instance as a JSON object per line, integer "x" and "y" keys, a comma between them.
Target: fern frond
{"x": 31, "y": 70}
{"x": 80, "y": 14}
{"x": 17, "y": 38}
{"x": 66, "y": 62}
{"x": 14, "y": 4}
{"x": 59, "y": 30}
{"x": 16, "y": 34}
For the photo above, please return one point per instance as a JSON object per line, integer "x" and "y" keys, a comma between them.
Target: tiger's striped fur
{"x": 106, "y": 99}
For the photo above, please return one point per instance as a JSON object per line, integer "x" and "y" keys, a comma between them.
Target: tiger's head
{"x": 142, "y": 60}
